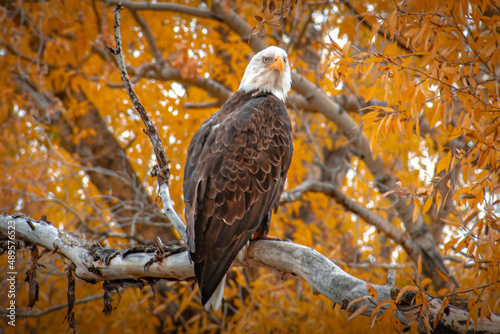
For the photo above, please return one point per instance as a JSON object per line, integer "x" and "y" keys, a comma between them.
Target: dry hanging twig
{"x": 163, "y": 171}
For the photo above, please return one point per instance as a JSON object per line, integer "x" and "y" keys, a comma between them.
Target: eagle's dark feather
{"x": 234, "y": 175}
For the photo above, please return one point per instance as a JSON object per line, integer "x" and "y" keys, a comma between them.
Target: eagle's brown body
{"x": 234, "y": 175}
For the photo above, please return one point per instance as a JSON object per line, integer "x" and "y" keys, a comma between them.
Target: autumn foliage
{"x": 396, "y": 115}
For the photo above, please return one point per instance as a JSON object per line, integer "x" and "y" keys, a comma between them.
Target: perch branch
{"x": 322, "y": 275}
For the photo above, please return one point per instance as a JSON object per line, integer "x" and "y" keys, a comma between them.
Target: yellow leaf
{"x": 345, "y": 49}
{"x": 372, "y": 90}
{"x": 396, "y": 324}
{"x": 425, "y": 281}
{"x": 416, "y": 210}
{"x": 414, "y": 326}
{"x": 392, "y": 22}
{"x": 450, "y": 244}
{"x": 420, "y": 99}
{"x": 375, "y": 29}
{"x": 404, "y": 289}
{"x": 444, "y": 163}
{"x": 391, "y": 49}
{"x": 356, "y": 301}
{"x": 427, "y": 205}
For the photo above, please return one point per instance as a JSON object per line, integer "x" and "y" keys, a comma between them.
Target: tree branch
{"x": 163, "y": 6}
{"x": 216, "y": 89}
{"x": 150, "y": 128}
{"x": 148, "y": 34}
{"x": 23, "y": 57}
{"x": 55, "y": 308}
{"x": 322, "y": 275}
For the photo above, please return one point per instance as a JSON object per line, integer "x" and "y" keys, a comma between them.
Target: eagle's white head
{"x": 268, "y": 71}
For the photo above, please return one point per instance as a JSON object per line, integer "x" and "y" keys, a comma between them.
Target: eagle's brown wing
{"x": 234, "y": 175}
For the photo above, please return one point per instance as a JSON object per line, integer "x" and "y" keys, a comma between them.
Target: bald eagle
{"x": 235, "y": 171}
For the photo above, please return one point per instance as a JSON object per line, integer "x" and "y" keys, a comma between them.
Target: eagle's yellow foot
{"x": 267, "y": 237}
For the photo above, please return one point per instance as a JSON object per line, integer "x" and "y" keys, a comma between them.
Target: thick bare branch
{"x": 322, "y": 275}
{"x": 171, "y": 7}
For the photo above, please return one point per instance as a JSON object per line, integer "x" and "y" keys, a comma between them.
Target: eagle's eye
{"x": 265, "y": 60}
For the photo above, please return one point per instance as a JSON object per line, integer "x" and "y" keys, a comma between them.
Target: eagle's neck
{"x": 240, "y": 98}
{"x": 257, "y": 91}
{"x": 266, "y": 82}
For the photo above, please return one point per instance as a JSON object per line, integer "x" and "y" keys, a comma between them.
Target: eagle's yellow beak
{"x": 277, "y": 64}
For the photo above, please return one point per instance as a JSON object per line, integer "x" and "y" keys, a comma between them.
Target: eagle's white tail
{"x": 216, "y": 300}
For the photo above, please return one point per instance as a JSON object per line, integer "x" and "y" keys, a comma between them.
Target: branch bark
{"x": 150, "y": 128}
{"x": 322, "y": 275}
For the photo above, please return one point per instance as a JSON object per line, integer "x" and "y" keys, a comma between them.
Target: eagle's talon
{"x": 268, "y": 237}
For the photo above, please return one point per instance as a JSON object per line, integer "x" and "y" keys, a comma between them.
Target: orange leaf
{"x": 356, "y": 300}
{"x": 425, "y": 281}
{"x": 443, "y": 275}
{"x": 372, "y": 90}
{"x": 416, "y": 210}
{"x": 371, "y": 291}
